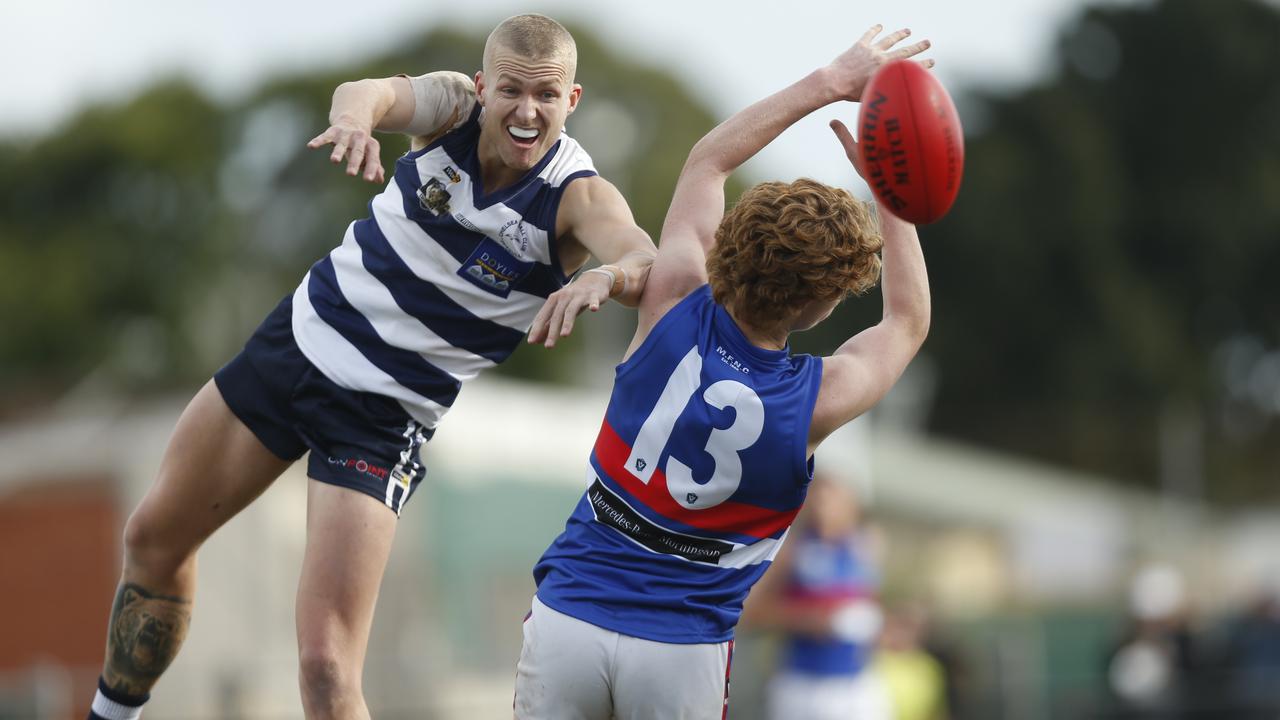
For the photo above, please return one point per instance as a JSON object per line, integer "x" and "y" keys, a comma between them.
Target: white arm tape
{"x": 437, "y": 96}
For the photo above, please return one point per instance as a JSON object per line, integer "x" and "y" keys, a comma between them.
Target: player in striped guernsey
{"x": 469, "y": 247}
{"x": 706, "y": 449}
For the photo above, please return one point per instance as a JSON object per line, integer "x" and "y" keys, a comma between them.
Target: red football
{"x": 911, "y": 143}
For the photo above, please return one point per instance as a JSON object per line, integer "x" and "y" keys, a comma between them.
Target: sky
{"x": 60, "y": 55}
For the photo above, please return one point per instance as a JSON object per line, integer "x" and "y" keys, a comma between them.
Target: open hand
{"x": 355, "y": 143}
{"x": 852, "y": 70}
{"x": 555, "y": 319}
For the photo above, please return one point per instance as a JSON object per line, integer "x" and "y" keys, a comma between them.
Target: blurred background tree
{"x": 1104, "y": 292}
{"x": 1104, "y": 289}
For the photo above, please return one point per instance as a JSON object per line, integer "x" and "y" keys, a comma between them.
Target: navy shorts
{"x": 358, "y": 440}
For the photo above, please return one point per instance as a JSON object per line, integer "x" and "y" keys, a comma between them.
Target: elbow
{"x": 920, "y": 331}
{"x": 637, "y": 277}
{"x": 913, "y": 325}
{"x": 699, "y": 153}
{"x": 917, "y": 319}
{"x": 704, "y": 159}
{"x": 918, "y": 327}
{"x": 917, "y": 315}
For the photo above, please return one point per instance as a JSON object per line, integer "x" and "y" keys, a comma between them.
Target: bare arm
{"x": 698, "y": 204}
{"x": 863, "y": 369}
{"x": 420, "y": 107}
{"x": 594, "y": 220}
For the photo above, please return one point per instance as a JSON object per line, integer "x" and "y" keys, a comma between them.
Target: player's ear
{"x": 480, "y": 87}
{"x": 575, "y": 94}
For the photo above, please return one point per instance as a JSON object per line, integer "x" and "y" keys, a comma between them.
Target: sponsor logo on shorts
{"x": 361, "y": 466}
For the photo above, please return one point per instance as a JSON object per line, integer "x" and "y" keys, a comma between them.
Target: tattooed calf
{"x": 146, "y": 631}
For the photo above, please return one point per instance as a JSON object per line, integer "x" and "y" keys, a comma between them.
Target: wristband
{"x": 617, "y": 278}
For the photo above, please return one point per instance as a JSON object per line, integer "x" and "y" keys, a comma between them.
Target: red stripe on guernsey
{"x": 733, "y": 517}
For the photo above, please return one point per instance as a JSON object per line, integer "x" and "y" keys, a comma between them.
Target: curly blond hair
{"x": 784, "y": 245}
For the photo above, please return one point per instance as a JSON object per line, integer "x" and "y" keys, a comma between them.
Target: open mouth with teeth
{"x": 524, "y": 137}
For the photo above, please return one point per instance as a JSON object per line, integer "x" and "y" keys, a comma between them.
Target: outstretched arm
{"x": 863, "y": 369}
{"x": 698, "y": 204}
{"x": 420, "y": 107}
{"x": 594, "y": 221}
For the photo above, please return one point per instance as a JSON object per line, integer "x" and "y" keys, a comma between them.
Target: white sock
{"x": 108, "y": 709}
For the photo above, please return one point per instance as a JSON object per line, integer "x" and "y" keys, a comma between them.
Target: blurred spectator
{"x": 822, "y": 593}
{"x": 915, "y": 679}
{"x": 1154, "y": 671}
{"x": 952, "y": 659}
{"x": 1251, "y": 660}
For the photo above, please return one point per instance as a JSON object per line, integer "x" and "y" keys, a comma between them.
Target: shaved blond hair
{"x": 536, "y": 37}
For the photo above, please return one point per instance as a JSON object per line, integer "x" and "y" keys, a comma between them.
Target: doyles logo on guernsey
{"x": 492, "y": 269}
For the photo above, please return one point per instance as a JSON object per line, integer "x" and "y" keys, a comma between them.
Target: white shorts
{"x": 807, "y": 697}
{"x": 573, "y": 670}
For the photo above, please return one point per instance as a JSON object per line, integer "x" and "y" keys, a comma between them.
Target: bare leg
{"x": 349, "y": 537}
{"x": 212, "y": 468}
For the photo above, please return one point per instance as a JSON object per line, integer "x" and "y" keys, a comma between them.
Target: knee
{"x": 325, "y": 675}
{"x": 150, "y": 550}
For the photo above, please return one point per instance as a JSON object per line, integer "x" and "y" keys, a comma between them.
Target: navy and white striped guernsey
{"x": 441, "y": 280}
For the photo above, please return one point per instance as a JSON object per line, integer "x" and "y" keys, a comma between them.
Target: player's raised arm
{"x": 863, "y": 369}
{"x": 698, "y": 203}
{"x": 420, "y": 106}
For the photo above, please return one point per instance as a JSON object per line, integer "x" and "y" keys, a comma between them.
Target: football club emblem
{"x": 515, "y": 237}
{"x": 433, "y": 198}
